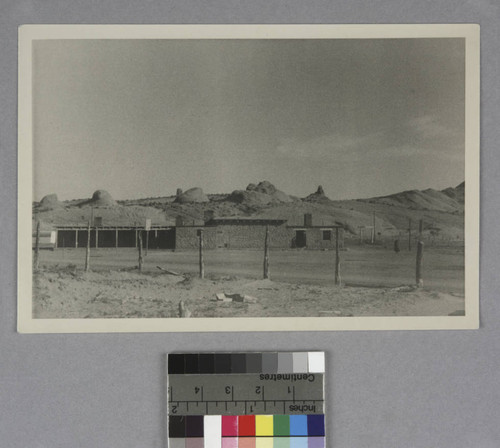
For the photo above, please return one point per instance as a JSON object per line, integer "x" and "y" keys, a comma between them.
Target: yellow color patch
{"x": 264, "y": 426}
{"x": 264, "y": 442}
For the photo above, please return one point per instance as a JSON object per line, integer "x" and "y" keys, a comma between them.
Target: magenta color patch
{"x": 229, "y": 442}
{"x": 194, "y": 442}
{"x": 316, "y": 442}
{"x": 229, "y": 425}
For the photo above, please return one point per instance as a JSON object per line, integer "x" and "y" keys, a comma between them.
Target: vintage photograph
{"x": 211, "y": 178}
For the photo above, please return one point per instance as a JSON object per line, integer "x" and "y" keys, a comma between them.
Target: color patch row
{"x": 267, "y": 362}
{"x": 249, "y": 442}
{"x": 221, "y": 426}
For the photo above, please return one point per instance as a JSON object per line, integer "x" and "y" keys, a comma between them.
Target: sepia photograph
{"x": 248, "y": 178}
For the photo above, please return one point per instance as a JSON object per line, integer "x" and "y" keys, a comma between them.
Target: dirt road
{"x": 365, "y": 266}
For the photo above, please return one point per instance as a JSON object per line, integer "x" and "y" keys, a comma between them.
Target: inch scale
{"x": 245, "y": 394}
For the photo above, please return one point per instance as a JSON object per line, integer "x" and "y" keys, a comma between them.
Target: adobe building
{"x": 218, "y": 233}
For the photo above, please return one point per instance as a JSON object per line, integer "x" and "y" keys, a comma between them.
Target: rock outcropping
{"x": 192, "y": 195}
{"x": 259, "y": 195}
{"x": 317, "y": 196}
{"x": 50, "y": 202}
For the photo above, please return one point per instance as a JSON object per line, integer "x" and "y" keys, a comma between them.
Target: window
{"x": 327, "y": 235}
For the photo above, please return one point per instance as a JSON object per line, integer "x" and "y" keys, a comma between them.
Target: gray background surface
{"x": 385, "y": 389}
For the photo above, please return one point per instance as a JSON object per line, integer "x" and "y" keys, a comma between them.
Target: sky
{"x": 141, "y": 118}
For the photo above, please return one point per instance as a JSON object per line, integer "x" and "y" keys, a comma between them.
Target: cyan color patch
{"x": 298, "y": 425}
{"x": 298, "y": 442}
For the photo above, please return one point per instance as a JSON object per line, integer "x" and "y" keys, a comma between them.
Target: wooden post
{"x": 76, "y": 238}
{"x": 373, "y": 233}
{"x": 420, "y": 255}
{"x": 139, "y": 247}
{"x": 409, "y": 234}
{"x": 37, "y": 246}
{"x": 96, "y": 237}
{"x": 200, "y": 241}
{"x": 266, "y": 254}
{"x": 116, "y": 238}
{"x": 87, "y": 252}
{"x": 147, "y": 241}
{"x": 337, "y": 257}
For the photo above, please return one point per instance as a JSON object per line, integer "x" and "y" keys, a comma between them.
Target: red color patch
{"x": 246, "y": 425}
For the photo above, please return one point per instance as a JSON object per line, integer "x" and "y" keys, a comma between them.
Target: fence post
{"x": 139, "y": 247}
{"x": 337, "y": 257}
{"x": 201, "y": 262}
{"x": 420, "y": 254}
{"x": 87, "y": 252}
{"x": 373, "y": 233}
{"x": 409, "y": 234}
{"x": 37, "y": 245}
{"x": 266, "y": 254}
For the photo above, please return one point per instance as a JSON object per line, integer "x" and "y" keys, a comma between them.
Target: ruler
{"x": 207, "y": 389}
{"x": 230, "y": 394}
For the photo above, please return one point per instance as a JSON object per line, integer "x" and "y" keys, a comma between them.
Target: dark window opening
{"x": 327, "y": 235}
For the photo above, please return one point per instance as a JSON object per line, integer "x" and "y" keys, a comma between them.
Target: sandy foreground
{"x": 72, "y": 293}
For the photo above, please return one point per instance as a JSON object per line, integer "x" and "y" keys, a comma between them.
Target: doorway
{"x": 300, "y": 238}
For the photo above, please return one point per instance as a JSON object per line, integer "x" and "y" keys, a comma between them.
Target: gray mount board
{"x": 387, "y": 389}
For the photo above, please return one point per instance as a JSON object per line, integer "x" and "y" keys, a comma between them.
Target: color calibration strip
{"x": 245, "y": 431}
{"x": 246, "y": 400}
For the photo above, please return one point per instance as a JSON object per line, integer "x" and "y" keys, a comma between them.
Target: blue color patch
{"x": 316, "y": 425}
{"x": 298, "y": 425}
{"x": 298, "y": 442}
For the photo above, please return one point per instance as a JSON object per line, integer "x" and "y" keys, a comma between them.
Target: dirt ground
{"x": 370, "y": 266}
{"x": 375, "y": 283}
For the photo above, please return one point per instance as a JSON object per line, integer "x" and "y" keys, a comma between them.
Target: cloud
{"x": 423, "y": 136}
{"x": 337, "y": 146}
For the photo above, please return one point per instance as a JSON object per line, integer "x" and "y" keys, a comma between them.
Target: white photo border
{"x": 29, "y": 33}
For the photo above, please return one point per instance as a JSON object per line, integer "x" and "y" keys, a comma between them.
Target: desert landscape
{"x": 248, "y": 177}
{"x": 376, "y": 280}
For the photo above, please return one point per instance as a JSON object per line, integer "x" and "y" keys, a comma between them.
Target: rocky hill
{"x": 448, "y": 200}
{"x": 442, "y": 211}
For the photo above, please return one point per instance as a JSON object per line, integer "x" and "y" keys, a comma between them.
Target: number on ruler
{"x": 196, "y": 389}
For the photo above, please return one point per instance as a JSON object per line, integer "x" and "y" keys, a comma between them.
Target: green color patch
{"x": 281, "y": 442}
{"x": 281, "y": 425}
